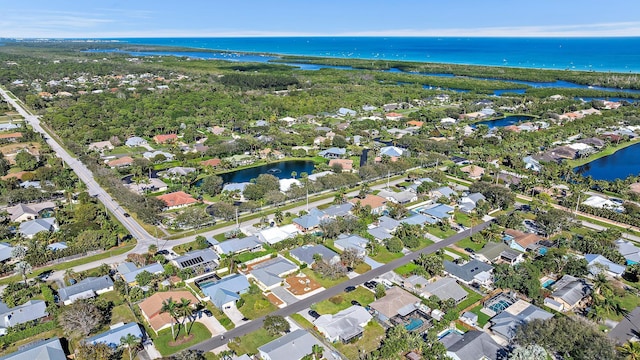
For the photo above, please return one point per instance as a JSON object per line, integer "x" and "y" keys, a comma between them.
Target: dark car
{"x": 371, "y": 284}
{"x": 162, "y": 252}
{"x": 126, "y": 215}
{"x": 355, "y": 302}
{"x": 349, "y": 288}
{"x": 207, "y": 312}
{"x": 469, "y": 250}
{"x": 314, "y": 314}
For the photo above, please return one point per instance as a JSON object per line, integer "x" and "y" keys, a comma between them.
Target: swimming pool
{"x": 548, "y": 283}
{"x": 414, "y": 324}
{"x": 499, "y": 306}
{"x": 447, "y": 332}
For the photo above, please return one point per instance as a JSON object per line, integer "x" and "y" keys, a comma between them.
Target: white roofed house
{"x": 344, "y": 326}
{"x": 29, "y": 311}
{"x": 30, "y": 228}
{"x": 24, "y": 212}
{"x": 274, "y": 235}
{"x": 135, "y": 141}
{"x": 128, "y": 271}
{"x": 85, "y": 289}
{"x": 293, "y": 346}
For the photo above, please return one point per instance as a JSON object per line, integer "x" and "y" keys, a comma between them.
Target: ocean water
{"x": 586, "y": 54}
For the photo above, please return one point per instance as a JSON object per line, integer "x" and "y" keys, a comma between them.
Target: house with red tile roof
{"x": 378, "y": 203}
{"x": 165, "y": 138}
{"x": 393, "y": 116}
{"x": 121, "y": 162}
{"x": 211, "y": 162}
{"x": 415, "y": 123}
{"x": 11, "y": 136}
{"x": 177, "y": 200}
{"x": 151, "y": 307}
{"x": 345, "y": 164}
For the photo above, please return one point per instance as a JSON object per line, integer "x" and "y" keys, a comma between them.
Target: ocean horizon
{"x": 615, "y": 54}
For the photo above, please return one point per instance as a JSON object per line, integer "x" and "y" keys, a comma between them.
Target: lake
{"x": 281, "y": 170}
{"x": 618, "y": 165}
{"x": 506, "y": 121}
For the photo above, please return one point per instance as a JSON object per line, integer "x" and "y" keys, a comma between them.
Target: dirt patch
{"x": 180, "y": 341}
{"x": 274, "y": 299}
{"x": 301, "y": 284}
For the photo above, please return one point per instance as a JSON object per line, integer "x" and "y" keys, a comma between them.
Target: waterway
{"x": 506, "y": 121}
{"x": 281, "y": 170}
{"x": 619, "y": 165}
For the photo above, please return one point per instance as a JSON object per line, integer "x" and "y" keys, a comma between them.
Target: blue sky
{"x": 207, "y": 18}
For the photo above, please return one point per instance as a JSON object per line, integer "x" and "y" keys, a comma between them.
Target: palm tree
{"x": 131, "y": 342}
{"x": 184, "y": 310}
{"x": 317, "y": 350}
{"x": 170, "y": 307}
{"x": 278, "y": 217}
{"x": 630, "y": 350}
{"x": 23, "y": 268}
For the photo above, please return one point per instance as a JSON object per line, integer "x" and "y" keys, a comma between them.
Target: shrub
{"x": 336, "y": 299}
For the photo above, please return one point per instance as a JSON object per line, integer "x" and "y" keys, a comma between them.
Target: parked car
{"x": 355, "y": 302}
{"x": 371, "y": 284}
{"x": 314, "y": 314}
{"x": 349, "y": 288}
{"x": 207, "y": 312}
{"x": 469, "y": 250}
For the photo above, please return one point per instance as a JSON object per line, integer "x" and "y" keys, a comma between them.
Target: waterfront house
{"x": 211, "y": 163}
{"x": 333, "y": 153}
{"x": 346, "y": 165}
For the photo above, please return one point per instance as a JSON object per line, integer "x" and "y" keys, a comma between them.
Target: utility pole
{"x": 307, "y": 198}
{"x": 388, "y": 178}
{"x": 237, "y": 223}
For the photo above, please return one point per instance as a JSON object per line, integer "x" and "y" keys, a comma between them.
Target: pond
{"x": 281, "y": 170}
{"x": 506, "y": 121}
{"x": 619, "y": 165}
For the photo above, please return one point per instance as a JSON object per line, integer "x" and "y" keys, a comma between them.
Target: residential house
{"x": 318, "y": 175}
{"x": 519, "y": 313}
{"x": 472, "y": 345}
{"x": 9, "y": 126}
{"x": 474, "y": 271}
{"x": 120, "y": 162}
{"x": 23, "y": 212}
{"x": 377, "y": 203}
{"x": 30, "y": 228}
{"x": 275, "y": 234}
{"x": 293, "y": 346}
{"x": 597, "y": 263}
{"x": 289, "y": 120}
{"x": 116, "y": 332}
{"x": 240, "y": 160}
{"x": 176, "y": 200}
{"x": 333, "y": 153}
{"x": 206, "y": 259}
{"x": 448, "y": 121}
{"x": 521, "y": 241}
{"x": 403, "y": 197}
{"x": 85, "y": 289}
{"x": 499, "y": 253}
{"x": 155, "y": 155}
{"x": 392, "y": 151}
{"x": 439, "y": 212}
{"x": 338, "y": 210}
{"x": 12, "y": 137}
{"x": 346, "y": 112}
{"x": 128, "y": 271}
{"x": 418, "y": 219}
{"x": 305, "y": 254}
{"x": 628, "y": 329}
{"x": 217, "y": 130}
{"x": 179, "y": 171}
{"x": 286, "y": 184}
{"x": 50, "y": 349}
{"x": 531, "y": 164}
{"x": 135, "y": 141}
{"x": 101, "y": 146}
{"x": 568, "y": 292}
{"x": 355, "y": 242}
{"x": 57, "y": 246}
{"x": 345, "y": 165}
{"x": 630, "y": 252}
{"x": 443, "y": 288}
{"x": 473, "y": 171}
{"x": 165, "y": 138}
{"x": 443, "y": 191}
{"x": 393, "y": 116}
{"x": 149, "y": 185}
{"x": 269, "y": 274}
{"x": 21, "y": 314}
{"x": 395, "y": 302}
{"x": 310, "y": 221}
{"x": 5, "y": 251}
{"x": 468, "y": 203}
{"x": 238, "y": 245}
{"x": 211, "y": 162}
{"x": 600, "y": 203}
{"x": 344, "y": 326}
{"x": 151, "y": 307}
{"x": 368, "y": 107}
{"x": 225, "y": 292}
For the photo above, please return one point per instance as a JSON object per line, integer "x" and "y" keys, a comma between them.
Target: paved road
{"x": 256, "y": 324}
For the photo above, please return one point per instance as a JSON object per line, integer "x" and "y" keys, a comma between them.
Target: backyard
{"x": 343, "y": 301}
{"x": 370, "y": 340}
{"x": 323, "y": 281}
{"x": 249, "y": 344}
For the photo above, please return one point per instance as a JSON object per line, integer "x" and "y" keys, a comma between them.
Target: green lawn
{"x": 122, "y": 313}
{"x": 256, "y": 305}
{"x": 325, "y": 282}
{"x": 462, "y": 218}
{"x": 629, "y": 302}
{"x": 244, "y": 257}
{"x": 471, "y": 299}
{"x": 373, "y": 334}
{"x": 482, "y": 317}
{"x": 199, "y": 333}
{"x": 250, "y": 343}
{"x": 302, "y": 321}
{"x": 439, "y": 233}
{"x": 385, "y": 256}
{"x": 362, "y": 268}
{"x": 467, "y": 243}
{"x": 406, "y": 269}
{"x": 360, "y": 294}
{"x": 461, "y": 254}
{"x": 424, "y": 242}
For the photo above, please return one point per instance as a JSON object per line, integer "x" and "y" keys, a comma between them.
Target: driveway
{"x": 212, "y": 324}
{"x": 235, "y": 315}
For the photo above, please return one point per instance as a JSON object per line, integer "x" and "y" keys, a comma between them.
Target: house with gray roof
{"x": 23, "y": 212}
{"x": 226, "y": 291}
{"x": 150, "y": 155}
{"x": 305, "y": 254}
{"x": 630, "y": 252}
{"x": 569, "y": 291}
{"x": 355, "y": 242}
{"x": 179, "y": 171}
{"x": 494, "y": 252}
{"x": 5, "y": 251}
{"x": 472, "y": 345}
{"x": 444, "y": 288}
{"x": 392, "y": 151}
{"x": 474, "y": 271}
{"x": 309, "y": 221}
{"x": 380, "y": 233}
{"x": 597, "y": 263}
{"x": 443, "y": 191}
{"x": 128, "y": 271}
{"x": 56, "y": 246}
{"x": 532, "y": 164}
{"x": 203, "y": 258}
{"x": 21, "y": 314}
{"x": 339, "y": 210}
{"x": 117, "y": 331}
{"x": 519, "y": 313}
{"x": 269, "y": 274}
{"x": 30, "y": 228}
{"x": 345, "y": 326}
{"x": 468, "y": 203}
{"x": 418, "y": 219}
{"x": 231, "y": 187}
{"x": 238, "y": 245}
{"x": 333, "y": 153}
{"x": 135, "y": 141}
{"x": 628, "y": 329}
{"x": 403, "y": 197}
{"x": 39, "y": 350}
{"x": 346, "y": 112}
{"x": 438, "y": 212}
{"x": 85, "y": 289}
{"x": 292, "y": 346}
